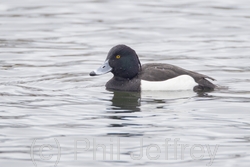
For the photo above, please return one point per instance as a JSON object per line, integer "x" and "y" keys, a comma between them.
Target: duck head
{"x": 122, "y": 61}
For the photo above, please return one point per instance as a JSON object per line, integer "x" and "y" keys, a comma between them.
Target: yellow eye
{"x": 118, "y": 56}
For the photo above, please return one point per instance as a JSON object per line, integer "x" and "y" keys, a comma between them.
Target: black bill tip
{"x": 92, "y": 73}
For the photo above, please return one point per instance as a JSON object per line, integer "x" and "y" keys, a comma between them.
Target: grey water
{"x": 52, "y": 113}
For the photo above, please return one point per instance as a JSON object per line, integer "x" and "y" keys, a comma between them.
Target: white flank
{"x": 182, "y": 82}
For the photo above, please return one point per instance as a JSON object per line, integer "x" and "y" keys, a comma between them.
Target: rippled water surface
{"x": 53, "y": 113}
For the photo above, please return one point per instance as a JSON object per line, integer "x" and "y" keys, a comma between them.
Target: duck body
{"x": 130, "y": 75}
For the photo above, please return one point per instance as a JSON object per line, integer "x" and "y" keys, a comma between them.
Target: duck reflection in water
{"x": 131, "y": 101}
{"x": 125, "y": 102}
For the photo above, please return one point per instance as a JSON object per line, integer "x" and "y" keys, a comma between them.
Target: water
{"x": 48, "y": 100}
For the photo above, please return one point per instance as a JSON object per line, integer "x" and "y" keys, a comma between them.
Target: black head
{"x": 122, "y": 61}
